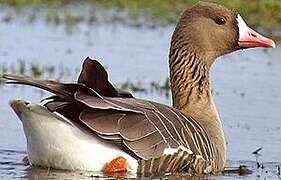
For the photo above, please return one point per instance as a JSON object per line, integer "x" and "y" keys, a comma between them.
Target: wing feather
{"x": 104, "y": 123}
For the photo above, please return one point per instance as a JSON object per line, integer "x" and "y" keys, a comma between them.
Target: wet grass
{"x": 260, "y": 13}
{"x": 58, "y": 73}
{"x": 64, "y": 74}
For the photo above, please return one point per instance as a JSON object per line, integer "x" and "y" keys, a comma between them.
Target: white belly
{"x": 53, "y": 142}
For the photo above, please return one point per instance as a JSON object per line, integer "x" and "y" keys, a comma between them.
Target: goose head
{"x": 212, "y": 30}
{"x": 203, "y": 33}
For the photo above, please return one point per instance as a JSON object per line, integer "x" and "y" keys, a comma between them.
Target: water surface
{"x": 246, "y": 87}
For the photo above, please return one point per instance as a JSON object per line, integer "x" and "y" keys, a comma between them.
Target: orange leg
{"x": 118, "y": 164}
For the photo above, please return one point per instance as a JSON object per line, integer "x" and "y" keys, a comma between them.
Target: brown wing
{"x": 144, "y": 129}
{"x": 93, "y": 75}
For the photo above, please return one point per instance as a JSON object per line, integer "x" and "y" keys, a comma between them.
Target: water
{"x": 246, "y": 87}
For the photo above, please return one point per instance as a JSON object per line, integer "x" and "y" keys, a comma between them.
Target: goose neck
{"x": 191, "y": 92}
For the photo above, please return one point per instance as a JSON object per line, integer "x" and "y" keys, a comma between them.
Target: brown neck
{"x": 189, "y": 79}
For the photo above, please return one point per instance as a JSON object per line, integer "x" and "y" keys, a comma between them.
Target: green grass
{"x": 265, "y": 13}
{"x": 260, "y": 13}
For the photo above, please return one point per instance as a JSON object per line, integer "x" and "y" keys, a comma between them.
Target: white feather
{"x": 175, "y": 150}
{"x": 53, "y": 141}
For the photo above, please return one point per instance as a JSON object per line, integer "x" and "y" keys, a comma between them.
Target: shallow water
{"x": 246, "y": 87}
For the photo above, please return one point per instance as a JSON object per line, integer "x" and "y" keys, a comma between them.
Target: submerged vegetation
{"x": 259, "y": 13}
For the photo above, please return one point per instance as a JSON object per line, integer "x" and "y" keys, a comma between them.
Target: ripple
{"x": 11, "y": 151}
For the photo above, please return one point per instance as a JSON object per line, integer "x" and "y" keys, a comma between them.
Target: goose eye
{"x": 220, "y": 20}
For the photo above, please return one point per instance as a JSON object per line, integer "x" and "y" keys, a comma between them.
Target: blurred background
{"x": 49, "y": 39}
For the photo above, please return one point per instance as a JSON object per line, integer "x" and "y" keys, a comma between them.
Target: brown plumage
{"x": 142, "y": 128}
{"x": 188, "y": 137}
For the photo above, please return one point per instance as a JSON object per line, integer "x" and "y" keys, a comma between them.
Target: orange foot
{"x": 25, "y": 161}
{"x": 118, "y": 164}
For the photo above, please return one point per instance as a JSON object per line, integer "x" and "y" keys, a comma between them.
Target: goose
{"x": 91, "y": 125}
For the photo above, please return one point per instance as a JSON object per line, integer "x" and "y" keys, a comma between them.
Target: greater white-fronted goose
{"x": 88, "y": 124}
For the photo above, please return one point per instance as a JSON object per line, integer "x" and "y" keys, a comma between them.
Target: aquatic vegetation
{"x": 63, "y": 73}
{"x": 36, "y": 70}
